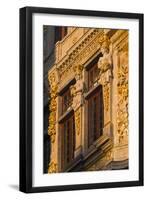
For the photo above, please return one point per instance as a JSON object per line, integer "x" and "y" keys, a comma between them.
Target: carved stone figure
{"x": 77, "y": 88}
{"x": 105, "y": 63}
{"x": 105, "y": 71}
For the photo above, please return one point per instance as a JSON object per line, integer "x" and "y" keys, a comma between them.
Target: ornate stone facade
{"x": 71, "y": 73}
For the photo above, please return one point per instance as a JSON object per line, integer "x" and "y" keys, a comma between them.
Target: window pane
{"x": 95, "y": 116}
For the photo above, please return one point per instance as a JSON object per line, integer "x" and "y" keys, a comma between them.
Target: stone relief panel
{"x": 122, "y": 87}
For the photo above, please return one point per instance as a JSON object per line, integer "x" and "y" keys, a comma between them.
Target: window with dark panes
{"x": 92, "y": 75}
{"x": 68, "y": 140}
{"x": 95, "y": 115}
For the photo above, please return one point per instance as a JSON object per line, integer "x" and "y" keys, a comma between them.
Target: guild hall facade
{"x": 88, "y": 101}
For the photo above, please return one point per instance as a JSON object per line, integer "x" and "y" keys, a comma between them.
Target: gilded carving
{"x": 52, "y": 167}
{"x": 52, "y": 107}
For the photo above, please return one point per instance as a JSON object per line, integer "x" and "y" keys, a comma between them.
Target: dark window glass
{"x": 68, "y": 141}
{"x": 92, "y": 75}
{"x": 95, "y": 116}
